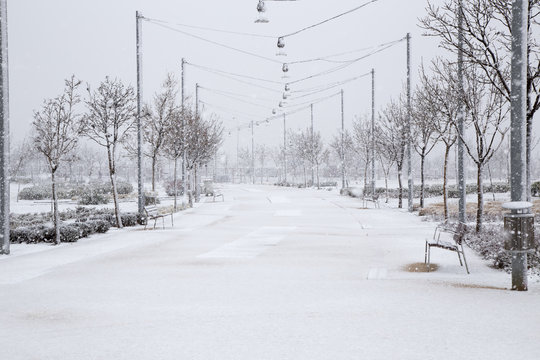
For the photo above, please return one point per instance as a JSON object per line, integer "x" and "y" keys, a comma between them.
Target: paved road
{"x": 267, "y": 274}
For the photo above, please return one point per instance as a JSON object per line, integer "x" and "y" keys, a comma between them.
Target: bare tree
{"x": 394, "y": 135}
{"x": 19, "y": 159}
{"x": 487, "y": 44}
{"x": 362, "y": 139}
{"x": 317, "y": 154}
{"x": 109, "y": 119}
{"x": 386, "y": 154}
{"x": 158, "y": 119}
{"x": 486, "y": 114}
{"x": 174, "y": 146}
{"x": 437, "y": 93}
{"x": 425, "y": 135}
{"x": 262, "y": 153}
{"x": 347, "y": 153}
{"x": 57, "y": 129}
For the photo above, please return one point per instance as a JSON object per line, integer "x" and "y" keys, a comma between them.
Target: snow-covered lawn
{"x": 271, "y": 273}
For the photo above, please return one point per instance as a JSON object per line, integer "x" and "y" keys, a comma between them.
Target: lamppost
{"x": 519, "y": 222}
{"x": 4, "y": 132}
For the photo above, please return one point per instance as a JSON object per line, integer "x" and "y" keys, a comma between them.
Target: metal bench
{"x": 217, "y": 193}
{"x": 456, "y": 244}
{"x": 152, "y": 213}
{"x": 372, "y": 198}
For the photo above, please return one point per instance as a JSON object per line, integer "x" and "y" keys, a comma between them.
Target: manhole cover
{"x": 421, "y": 267}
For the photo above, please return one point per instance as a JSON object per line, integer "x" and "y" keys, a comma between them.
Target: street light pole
{"x": 4, "y": 132}
{"x": 184, "y": 138}
{"x": 460, "y": 120}
{"x": 373, "y": 132}
{"x": 140, "y": 188}
{"x": 285, "y": 148}
{"x": 342, "y": 141}
{"x": 253, "y": 152}
{"x": 312, "y": 150}
{"x": 518, "y": 181}
{"x": 409, "y": 132}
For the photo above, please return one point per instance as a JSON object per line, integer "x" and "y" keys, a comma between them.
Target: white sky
{"x": 50, "y": 40}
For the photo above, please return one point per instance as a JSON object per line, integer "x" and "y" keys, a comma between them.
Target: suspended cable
{"x": 212, "y": 29}
{"x": 214, "y": 42}
{"x": 230, "y": 110}
{"x": 330, "y": 19}
{"x": 244, "y": 101}
{"x": 334, "y": 85}
{"x": 314, "y": 101}
{"x": 326, "y": 58}
{"x": 246, "y": 82}
{"x": 343, "y": 66}
{"x": 234, "y": 94}
{"x": 213, "y": 70}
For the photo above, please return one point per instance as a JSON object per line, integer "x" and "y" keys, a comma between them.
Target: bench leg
{"x": 155, "y": 222}
{"x": 163, "y": 221}
{"x": 172, "y": 220}
{"x": 425, "y": 254}
{"x": 464, "y": 260}
{"x": 459, "y": 257}
{"x": 429, "y": 258}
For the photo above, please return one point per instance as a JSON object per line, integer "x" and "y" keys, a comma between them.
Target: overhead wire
{"x": 343, "y": 66}
{"x": 329, "y": 87}
{"x": 329, "y": 19}
{"x": 213, "y": 42}
{"x": 209, "y": 69}
{"x": 235, "y": 94}
{"x": 213, "y": 29}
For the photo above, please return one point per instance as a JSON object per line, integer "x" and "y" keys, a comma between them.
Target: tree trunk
{"x": 154, "y": 161}
{"x": 422, "y": 183}
{"x": 528, "y": 157}
{"x": 386, "y": 185}
{"x": 400, "y": 202}
{"x": 480, "y": 193}
{"x": 196, "y": 182}
{"x": 56, "y": 216}
{"x": 318, "y": 179}
{"x": 112, "y": 175}
{"x": 445, "y": 182}
{"x": 175, "y": 185}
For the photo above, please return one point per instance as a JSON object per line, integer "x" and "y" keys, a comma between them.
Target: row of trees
{"x": 107, "y": 116}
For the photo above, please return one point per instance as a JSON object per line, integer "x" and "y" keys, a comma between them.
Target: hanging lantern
{"x": 287, "y": 87}
{"x": 285, "y": 96}
{"x": 281, "y": 104}
{"x": 285, "y": 70}
{"x": 281, "y": 46}
{"x": 261, "y": 8}
{"x": 274, "y": 111}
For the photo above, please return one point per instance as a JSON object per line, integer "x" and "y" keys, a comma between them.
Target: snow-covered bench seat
{"x": 217, "y": 193}
{"x": 152, "y": 213}
{"x": 455, "y": 244}
{"x": 371, "y": 198}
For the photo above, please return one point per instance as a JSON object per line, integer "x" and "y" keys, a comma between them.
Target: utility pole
{"x": 237, "y": 150}
{"x": 4, "y": 132}
{"x": 312, "y": 149}
{"x": 140, "y": 186}
{"x": 372, "y": 132}
{"x": 461, "y": 118}
{"x": 197, "y": 100}
{"x": 342, "y": 142}
{"x": 184, "y": 138}
{"x": 409, "y": 132}
{"x": 519, "y": 222}
{"x": 253, "y": 152}
{"x": 285, "y": 148}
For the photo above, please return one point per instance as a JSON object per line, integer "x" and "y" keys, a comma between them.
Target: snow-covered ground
{"x": 270, "y": 273}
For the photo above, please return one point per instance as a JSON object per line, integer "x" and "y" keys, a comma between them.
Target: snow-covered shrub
{"x": 535, "y": 188}
{"x": 84, "y": 229}
{"x": 93, "y": 199}
{"x": 69, "y": 233}
{"x": 124, "y": 188}
{"x": 169, "y": 188}
{"x": 151, "y": 199}
{"x": 129, "y": 219}
{"x": 36, "y": 193}
{"x": 99, "y": 226}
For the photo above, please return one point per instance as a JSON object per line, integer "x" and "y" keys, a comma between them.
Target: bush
{"x": 93, "y": 199}
{"x": 69, "y": 233}
{"x": 169, "y": 188}
{"x": 124, "y": 188}
{"x": 35, "y": 193}
{"x": 151, "y": 199}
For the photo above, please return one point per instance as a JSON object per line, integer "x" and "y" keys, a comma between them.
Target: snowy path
{"x": 268, "y": 274}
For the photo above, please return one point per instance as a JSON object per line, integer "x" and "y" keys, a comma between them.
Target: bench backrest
{"x": 151, "y": 210}
{"x": 461, "y": 230}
